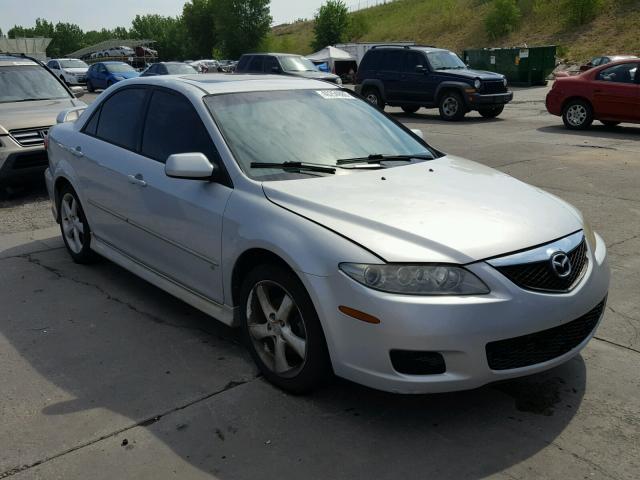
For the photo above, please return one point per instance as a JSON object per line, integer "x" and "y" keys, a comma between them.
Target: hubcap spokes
{"x": 276, "y": 328}
{"x": 72, "y": 226}
{"x": 576, "y": 115}
{"x": 450, "y": 106}
{"x": 371, "y": 98}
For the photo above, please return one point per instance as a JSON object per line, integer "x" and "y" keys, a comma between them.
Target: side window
{"x": 92, "y": 125}
{"x": 121, "y": 118}
{"x": 412, "y": 60}
{"x": 368, "y": 62}
{"x": 173, "y": 126}
{"x": 243, "y": 63}
{"x": 624, "y": 73}
{"x": 391, "y": 60}
{"x": 270, "y": 63}
{"x": 256, "y": 64}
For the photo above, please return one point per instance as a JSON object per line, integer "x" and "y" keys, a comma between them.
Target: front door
{"x": 414, "y": 78}
{"x": 616, "y": 92}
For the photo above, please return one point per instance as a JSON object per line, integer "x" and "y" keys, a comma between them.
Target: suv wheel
{"x": 410, "y": 108}
{"x": 491, "y": 112}
{"x": 282, "y": 330}
{"x": 451, "y": 106}
{"x": 74, "y": 227}
{"x": 372, "y": 95}
{"x": 577, "y": 115}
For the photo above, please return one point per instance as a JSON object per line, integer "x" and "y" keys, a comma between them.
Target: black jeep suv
{"x": 414, "y": 77}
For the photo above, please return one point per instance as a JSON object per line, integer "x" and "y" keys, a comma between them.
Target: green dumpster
{"x": 523, "y": 66}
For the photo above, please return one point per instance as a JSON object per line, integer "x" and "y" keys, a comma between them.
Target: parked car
{"x": 597, "y": 61}
{"x": 117, "y": 52}
{"x": 206, "y": 66}
{"x": 145, "y": 52}
{"x": 104, "y": 74}
{"x": 342, "y": 243}
{"x": 72, "y": 71}
{"x": 283, "y": 64}
{"x": 412, "y": 77}
{"x": 609, "y": 93}
{"x": 169, "y": 68}
{"x": 31, "y": 97}
{"x": 227, "y": 66}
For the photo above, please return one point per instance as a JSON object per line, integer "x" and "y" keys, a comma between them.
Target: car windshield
{"x": 73, "y": 64}
{"x": 445, "y": 60}
{"x": 23, "y": 83}
{"x": 297, "y": 64}
{"x": 179, "y": 68}
{"x": 319, "y": 127}
{"x": 119, "y": 67}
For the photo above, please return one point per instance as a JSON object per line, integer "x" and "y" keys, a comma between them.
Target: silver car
{"x": 334, "y": 237}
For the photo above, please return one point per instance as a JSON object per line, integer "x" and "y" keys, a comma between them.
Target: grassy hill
{"x": 459, "y": 24}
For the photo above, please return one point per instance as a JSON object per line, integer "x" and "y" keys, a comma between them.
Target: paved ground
{"x": 104, "y": 376}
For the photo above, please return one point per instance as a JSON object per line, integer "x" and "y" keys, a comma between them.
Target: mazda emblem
{"x": 560, "y": 264}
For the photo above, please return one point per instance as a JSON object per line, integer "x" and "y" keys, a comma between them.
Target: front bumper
{"x": 19, "y": 163}
{"x": 476, "y": 100}
{"x": 458, "y": 328}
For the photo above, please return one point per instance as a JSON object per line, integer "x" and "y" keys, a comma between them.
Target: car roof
{"x": 408, "y": 47}
{"x": 112, "y": 62}
{"x": 9, "y": 60}
{"x": 275, "y": 54}
{"x": 218, "y": 83}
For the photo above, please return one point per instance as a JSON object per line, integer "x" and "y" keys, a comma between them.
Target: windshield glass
{"x": 119, "y": 67}
{"x": 297, "y": 64}
{"x": 25, "y": 82}
{"x": 179, "y": 68}
{"x": 320, "y": 127}
{"x": 73, "y": 64}
{"x": 445, "y": 60}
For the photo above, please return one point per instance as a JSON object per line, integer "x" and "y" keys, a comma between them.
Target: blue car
{"x": 104, "y": 74}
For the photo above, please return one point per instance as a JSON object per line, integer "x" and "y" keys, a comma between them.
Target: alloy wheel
{"x": 576, "y": 115}
{"x": 72, "y": 226}
{"x": 276, "y": 328}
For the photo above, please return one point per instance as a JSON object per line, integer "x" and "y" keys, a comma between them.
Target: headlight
{"x": 589, "y": 235}
{"x": 416, "y": 279}
{"x": 477, "y": 84}
{"x": 339, "y": 81}
{"x": 504, "y": 81}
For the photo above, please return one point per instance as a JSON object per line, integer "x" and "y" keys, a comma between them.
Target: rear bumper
{"x": 477, "y": 100}
{"x": 553, "y": 102}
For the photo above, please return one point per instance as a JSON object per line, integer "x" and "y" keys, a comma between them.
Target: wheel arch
{"x": 59, "y": 184}
{"x": 444, "y": 87}
{"x": 566, "y": 101}
{"x": 373, "y": 83}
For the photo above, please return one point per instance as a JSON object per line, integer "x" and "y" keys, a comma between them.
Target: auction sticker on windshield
{"x": 333, "y": 94}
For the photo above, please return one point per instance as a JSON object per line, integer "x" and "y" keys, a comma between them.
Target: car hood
{"x": 315, "y": 75}
{"x": 40, "y": 113}
{"x": 125, "y": 74}
{"x": 76, "y": 70}
{"x": 446, "y": 210}
{"x": 471, "y": 73}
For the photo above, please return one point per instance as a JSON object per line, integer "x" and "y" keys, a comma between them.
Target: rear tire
{"x": 491, "y": 112}
{"x": 286, "y": 342}
{"x": 410, "y": 108}
{"x": 577, "y": 115}
{"x": 451, "y": 106}
{"x": 74, "y": 227}
{"x": 372, "y": 95}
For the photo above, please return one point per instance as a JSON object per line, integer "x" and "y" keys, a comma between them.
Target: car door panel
{"x": 416, "y": 86}
{"x": 614, "y": 95}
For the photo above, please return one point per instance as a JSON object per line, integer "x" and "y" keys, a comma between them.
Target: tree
{"x": 242, "y": 25}
{"x": 168, "y": 32}
{"x": 199, "y": 27}
{"x": 331, "y": 24}
{"x": 503, "y": 18}
{"x": 67, "y": 38}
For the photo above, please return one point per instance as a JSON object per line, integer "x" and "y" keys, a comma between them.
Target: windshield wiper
{"x": 313, "y": 167}
{"x": 378, "y": 158}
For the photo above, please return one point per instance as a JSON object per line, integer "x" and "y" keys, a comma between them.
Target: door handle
{"x": 137, "y": 179}
{"x": 77, "y": 152}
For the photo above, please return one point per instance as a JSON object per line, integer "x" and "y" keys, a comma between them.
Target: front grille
{"x": 493, "y": 87}
{"x": 30, "y": 137}
{"x": 540, "y": 276}
{"x": 542, "y": 346}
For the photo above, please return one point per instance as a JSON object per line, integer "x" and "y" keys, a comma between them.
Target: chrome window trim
{"x": 541, "y": 253}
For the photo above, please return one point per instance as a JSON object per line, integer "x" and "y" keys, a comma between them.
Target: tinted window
{"x": 173, "y": 126}
{"x": 121, "y": 118}
{"x": 243, "y": 63}
{"x": 369, "y": 61}
{"x": 391, "y": 60}
{"x": 412, "y": 60}
{"x": 92, "y": 125}
{"x": 624, "y": 73}
{"x": 270, "y": 63}
{"x": 256, "y": 64}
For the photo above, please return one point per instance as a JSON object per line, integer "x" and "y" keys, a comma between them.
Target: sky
{"x": 95, "y": 14}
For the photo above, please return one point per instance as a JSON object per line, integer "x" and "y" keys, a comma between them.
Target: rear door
{"x": 389, "y": 72}
{"x": 616, "y": 92}
{"x": 180, "y": 220}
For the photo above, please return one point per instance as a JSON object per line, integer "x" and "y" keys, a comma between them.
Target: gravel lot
{"x": 104, "y": 376}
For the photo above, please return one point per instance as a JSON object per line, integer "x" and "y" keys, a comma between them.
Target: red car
{"x": 609, "y": 93}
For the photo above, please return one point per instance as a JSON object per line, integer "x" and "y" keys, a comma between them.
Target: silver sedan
{"x": 336, "y": 238}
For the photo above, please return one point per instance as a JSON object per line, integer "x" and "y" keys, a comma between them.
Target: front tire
{"x": 74, "y": 227}
{"x": 491, "y": 112}
{"x": 282, "y": 330}
{"x": 372, "y": 95}
{"x": 577, "y": 115}
{"x": 90, "y": 87}
{"x": 451, "y": 107}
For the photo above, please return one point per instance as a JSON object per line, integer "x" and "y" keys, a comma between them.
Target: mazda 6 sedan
{"x": 338, "y": 240}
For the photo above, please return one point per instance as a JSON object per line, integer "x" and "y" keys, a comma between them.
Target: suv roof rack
{"x": 407, "y": 47}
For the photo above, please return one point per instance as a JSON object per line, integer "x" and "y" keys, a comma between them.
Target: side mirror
{"x": 421, "y": 69}
{"x": 77, "y": 91}
{"x": 190, "y": 166}
{"x": 418, "y": 133}
{"x": 70, "y": 114}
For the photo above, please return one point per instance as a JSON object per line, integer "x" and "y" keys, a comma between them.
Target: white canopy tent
{"x": 32, "y": 47}
{"x": 333, "y": 56}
